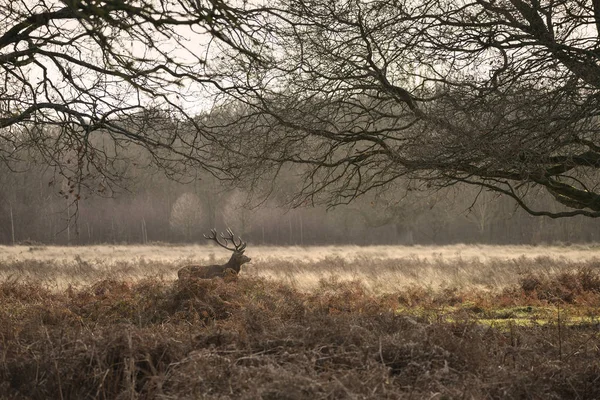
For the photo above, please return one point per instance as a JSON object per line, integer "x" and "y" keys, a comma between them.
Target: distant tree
{"x": 238, "y": 213}
{"x": 501, "y": 94}
{"x": 401, "y": 207}
{"x": 186, "y": 216}
{"x": 484, "y": 210}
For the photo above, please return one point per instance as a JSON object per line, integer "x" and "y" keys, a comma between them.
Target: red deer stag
{"x": 232, "y": 267}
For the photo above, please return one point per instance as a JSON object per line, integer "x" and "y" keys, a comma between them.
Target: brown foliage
{"x": 254, "y": 338}
{"x": 581, "y": 285}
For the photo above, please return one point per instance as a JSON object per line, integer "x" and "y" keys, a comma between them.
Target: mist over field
{"x": 156, "y": 209}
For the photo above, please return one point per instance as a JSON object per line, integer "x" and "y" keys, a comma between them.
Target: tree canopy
{"x": 501, "y": 94}
{"x": 80, "y": 80}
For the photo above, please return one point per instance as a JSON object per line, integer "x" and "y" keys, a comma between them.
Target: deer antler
{"x": 239, "y": 246}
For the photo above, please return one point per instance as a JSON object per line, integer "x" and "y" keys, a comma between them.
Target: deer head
{"x": 237, "y": 258}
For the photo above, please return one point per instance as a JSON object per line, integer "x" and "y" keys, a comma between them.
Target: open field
{"x": 472, "y": 322}
{"x": 380, "y": 268}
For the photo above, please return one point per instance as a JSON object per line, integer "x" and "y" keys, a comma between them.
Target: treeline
{"x": 36, "y": 206}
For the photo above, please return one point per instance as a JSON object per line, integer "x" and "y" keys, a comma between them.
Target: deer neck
{"x": 233, "y": 263}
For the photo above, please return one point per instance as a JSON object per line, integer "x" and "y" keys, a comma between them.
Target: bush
{"x": 567, "y": 287}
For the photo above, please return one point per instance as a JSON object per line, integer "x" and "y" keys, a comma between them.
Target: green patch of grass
{"x": 517, "y": 312}
{"x": 570, "y": 322}
{"x": 502, "y": 317}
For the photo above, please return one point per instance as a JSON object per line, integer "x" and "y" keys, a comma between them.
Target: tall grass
{"x": 380, "y": 268}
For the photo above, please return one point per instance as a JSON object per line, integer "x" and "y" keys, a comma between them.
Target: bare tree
{"x": 186, "y": 215}
{"x": 484, "y": 211}
{"x": 502, "y": 94}
{"x": 238, "y": 213}
{"x": 83, "y": 80}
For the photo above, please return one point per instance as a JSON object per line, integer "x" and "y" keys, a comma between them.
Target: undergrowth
{"x": 263, "y": 339}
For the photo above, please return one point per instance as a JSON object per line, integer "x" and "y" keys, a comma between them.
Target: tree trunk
{"x": 12, "y": 225}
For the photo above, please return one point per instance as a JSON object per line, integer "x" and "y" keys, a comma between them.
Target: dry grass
{"x": 166, "y": 252}
{"x": 255, "y": 339}
{"x": 365, "y": 323}
{"x": 380, "y": 268}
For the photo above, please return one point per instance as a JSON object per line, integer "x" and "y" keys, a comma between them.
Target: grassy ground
{"x": 380, "y": 268}
{"x": 296, "y": 324}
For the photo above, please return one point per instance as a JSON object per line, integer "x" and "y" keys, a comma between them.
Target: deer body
{"x": 232, "y": 267}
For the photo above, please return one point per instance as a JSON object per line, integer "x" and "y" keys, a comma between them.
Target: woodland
{"x": 434, "y": 121}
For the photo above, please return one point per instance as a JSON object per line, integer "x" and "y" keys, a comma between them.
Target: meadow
{"x": 112, "y": 322}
